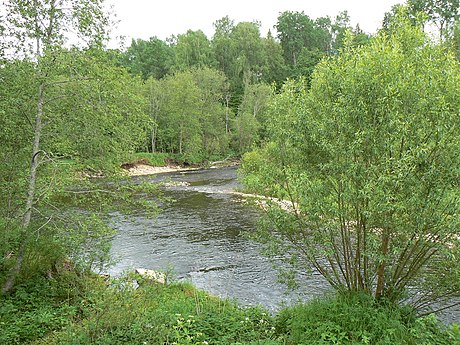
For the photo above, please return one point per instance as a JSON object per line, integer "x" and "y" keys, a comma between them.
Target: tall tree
{"x": 179, "y": 124}
{"x": 304, "y": 41}
{"x": 250, "y": 123}
{"x": 442, "y": 13}
{"x": 38, "y": 28}
{"x": 152, "y": 58}
{"x": 213, "y": 88}
{"x": 274, "y": 67}
{"x": 193, "y": 49}
{"x": 222, "y": 44}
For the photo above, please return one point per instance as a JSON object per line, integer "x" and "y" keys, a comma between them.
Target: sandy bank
{"x": 144, "y": 169}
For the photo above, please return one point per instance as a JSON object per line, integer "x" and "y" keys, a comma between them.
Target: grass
{"x": 88, "y": 310}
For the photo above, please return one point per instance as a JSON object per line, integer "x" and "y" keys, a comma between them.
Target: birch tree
{"x": 36, "y": 30}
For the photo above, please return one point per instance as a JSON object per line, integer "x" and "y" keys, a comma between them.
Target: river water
{"x": 201, "y": 237}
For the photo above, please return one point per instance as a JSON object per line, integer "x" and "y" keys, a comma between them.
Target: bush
{"x": 359, "y": 319}
{"x": 40, "y": 306}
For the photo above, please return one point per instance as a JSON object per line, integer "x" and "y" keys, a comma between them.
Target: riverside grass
{"x": 70, "y": 309}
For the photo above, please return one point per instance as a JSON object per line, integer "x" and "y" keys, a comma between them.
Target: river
{"x": 200, "y": 237}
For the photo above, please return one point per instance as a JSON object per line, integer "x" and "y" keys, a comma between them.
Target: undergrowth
{"x": 70, "y": 309}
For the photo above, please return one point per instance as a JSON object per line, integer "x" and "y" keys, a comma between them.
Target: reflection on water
{"x": 201, "y": 236}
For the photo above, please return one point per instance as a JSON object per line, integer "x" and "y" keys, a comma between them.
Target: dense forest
{"x": 357, "y": 132}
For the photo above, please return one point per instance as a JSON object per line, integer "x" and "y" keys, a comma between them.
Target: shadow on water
{"x": 201, "y": 235}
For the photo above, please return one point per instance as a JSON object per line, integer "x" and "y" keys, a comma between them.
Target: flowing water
{"x": 201, "y": 237}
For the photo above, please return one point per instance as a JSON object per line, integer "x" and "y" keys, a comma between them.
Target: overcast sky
{"x": 163, "y": 18}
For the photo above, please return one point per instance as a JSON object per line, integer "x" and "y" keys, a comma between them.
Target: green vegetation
{"x": 75, "y": 310}
{"x": 362, "y": 140}
{"x": 368, "y": 159}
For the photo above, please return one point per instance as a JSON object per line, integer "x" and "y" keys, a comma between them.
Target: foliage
{"x": 98, "y": 93}
{"x": 192, "y": 50}
{"x": 442, "y": 13}
{"x": 60, "y": 106}
{"x": 249, "y": 125}
{"x": 358, "y": 319}
{"x": 187, "y": 112}
{"x": 156, "y": 314}
{"x": 40, "y": 306}
{"x": 81, "y": 310}
{"x": 367, "y": 160}
{"x": 152, "y": 58}
{"x": 306, "y": 41}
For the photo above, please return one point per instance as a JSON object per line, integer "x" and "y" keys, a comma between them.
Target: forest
{"x": 358, "y": 133}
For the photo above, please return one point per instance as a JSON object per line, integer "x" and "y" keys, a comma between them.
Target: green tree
{"x": 442, "y": 13}
{"x": 38, "y": 27}
{"x": 59, "y": 103}
{"x": 304, "y": 41}
{"x": 274, "y": 69}
{"x": 250, "y": 123}
{"x": 179, "y": 124}
{"x": 155, "y": 99}
{"x": 188, "y": 114}
{"x": 248, "y": 58}
{"x": 97, "y": 118}
{"x": 222, "y": 44}
{"x": 193, "y": 49}
{"x": 213, "y": 88}
{"x": 152, "y": 58}
{"x": 367, "y": 163}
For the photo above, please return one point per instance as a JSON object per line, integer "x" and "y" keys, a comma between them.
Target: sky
{"x": 148, "y": 18}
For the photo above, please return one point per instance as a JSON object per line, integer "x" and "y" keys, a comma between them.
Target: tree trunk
{"x": 9, "y": 284}
{"x": 227, "y": 98}
{"x": 153, "y": 137}
{"x": 381, "y": 270}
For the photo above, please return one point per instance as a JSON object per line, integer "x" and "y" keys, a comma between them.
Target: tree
{"x": 222, "y": 44}
{"x": 193, "y": 49}
{"x": 179, "y": 123}
{"x": 188, "y": 114}
{"x": 152, "y": 58}
{"x": 59, "y": 103}
{"x": 367, "y": 163}
{"x": 442, "y": 13}
{"x": 155, "y": 100}
{"x": 274, "y": 65}
{"x": 304, "y": 41}
{"x": 250, "y": 123}
{"x": 248, "y": 58}
{"x": 213, "y": 88}
{"x": 40, "y": 26}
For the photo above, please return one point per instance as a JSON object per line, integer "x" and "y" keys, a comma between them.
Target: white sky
{"x": 163, "y": 18}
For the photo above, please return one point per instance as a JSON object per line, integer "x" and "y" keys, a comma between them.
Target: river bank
{"x": 140, "y": 169}
{"x": 152, "y": 164}
{"x": 115, "y": 311}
